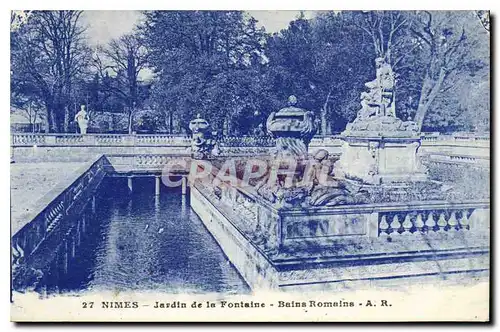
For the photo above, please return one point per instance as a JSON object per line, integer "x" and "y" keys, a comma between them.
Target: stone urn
{"x": 293, "y": 129}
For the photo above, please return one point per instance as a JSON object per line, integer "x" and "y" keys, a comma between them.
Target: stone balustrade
{"x": 21, "y": 139}
{"x": 385, "y": 220}
{"x": 52, "y": 213}
{"x": 275, "y": 228}
{"x": 247, "y": 141}
{"x": 425, "y": 221}
{"x": 155, "y": 163}
{"x": 454, "y": 148}
{"x": 29, "y": 139}
{"x": 455, "y": 137}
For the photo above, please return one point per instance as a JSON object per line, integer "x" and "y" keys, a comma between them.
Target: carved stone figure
{"x": 82, "y": 119}
{"x": 380, "y": 98}
{"x": 259, "y": 131}
{"x": 203, "y": 141}
{"x": 332, "y": 192}
{"x": 378, "y": 112}
{"x": 293, "y": 129}
{"x": 378, "y": 136}
{"x": 386, "y": 81}
{"x": 313, "y": 186}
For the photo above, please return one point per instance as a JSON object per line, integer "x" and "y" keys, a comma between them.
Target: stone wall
{"x": 53, "y": 216}
{"x": 338, "y": 255}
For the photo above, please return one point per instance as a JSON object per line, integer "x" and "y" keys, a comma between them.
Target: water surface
{"x": 142, "y": 242}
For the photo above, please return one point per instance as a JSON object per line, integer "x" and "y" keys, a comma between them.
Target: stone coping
{"x": 388, "y": 207}
{"x": 41, "y": 204}
{"x": 373, "y": 136}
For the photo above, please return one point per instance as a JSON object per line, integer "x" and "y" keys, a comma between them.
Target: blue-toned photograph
{"x": 174, "y": 160}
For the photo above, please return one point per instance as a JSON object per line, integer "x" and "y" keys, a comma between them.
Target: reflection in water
{"x": 140, "y": 242}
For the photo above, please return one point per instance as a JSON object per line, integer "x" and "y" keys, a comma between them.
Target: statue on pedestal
{"x": 82, "y": 119}
{"x": 378, "y": 106}
{"x": 203, "y": 140}
{"x": 378, "y": 147}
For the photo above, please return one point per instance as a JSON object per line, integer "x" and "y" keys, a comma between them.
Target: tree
{"x": 324, "y": 62}
{"x": 429, "y": 52}
{"x": 450, "y": 52}
{"x": 48, "y": 53}
{"x": 30, "y": 106}
{"x": 387, "y": 30}
{"x": 125, "y": 59}
{"x": 202, "y": 61}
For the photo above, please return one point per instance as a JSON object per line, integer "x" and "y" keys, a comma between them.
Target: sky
{"x": 106, "y": 25}
{"x": 102, "y": 26}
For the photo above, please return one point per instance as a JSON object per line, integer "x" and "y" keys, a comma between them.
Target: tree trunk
{"x": 66, "y": 119}
{"x": 325, "y": 126}
{"x": 46, "y": 120}
{"x": 324, "y": 123}
{"x": 130, "y": 119}
{"x": 171, "y": 122}
{"x": 53, "y": 125}
{"x": 426, "y": 98}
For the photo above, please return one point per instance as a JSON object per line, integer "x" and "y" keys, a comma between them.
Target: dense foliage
{"x": 220, "y": 64}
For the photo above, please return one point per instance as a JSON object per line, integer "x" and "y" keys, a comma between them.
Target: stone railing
{"x": 247, "y": 141}
{"x": 423, "y": 219}
{"x": 273, "y": 228}
{"x": 29, "y": 139}
{"x": 458, "y": 159}
{"x": 458, "y": 148}
{"x": 455, "y": 137}
{"x": 427, "y": 138}
{"x": 252, "y": 216}
{"x": 20, "y": 139}
{"x": 155, "y": 163}
{"x": 54, "y": 210}
{"x": 388, "y": 220}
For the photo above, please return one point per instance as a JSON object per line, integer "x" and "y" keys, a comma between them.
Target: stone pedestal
{"x": 378, "y": 159}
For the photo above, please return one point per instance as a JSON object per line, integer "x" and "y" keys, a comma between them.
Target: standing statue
{"x": 203, "y": 140}
{"x": 82, "y": 119}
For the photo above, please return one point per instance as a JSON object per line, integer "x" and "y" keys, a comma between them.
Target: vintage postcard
{"x": 250, "y": 166}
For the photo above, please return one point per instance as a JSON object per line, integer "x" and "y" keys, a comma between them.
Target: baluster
{"x": 395, "y": 224}
{"x": 453, "y": 222}
{"x": 442, "y": 222}
{"x": 464, "y": 221}
{"x": 430, "y": 222}
{"x": 419, "y": 223}
{"x": 407, "y": 224}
